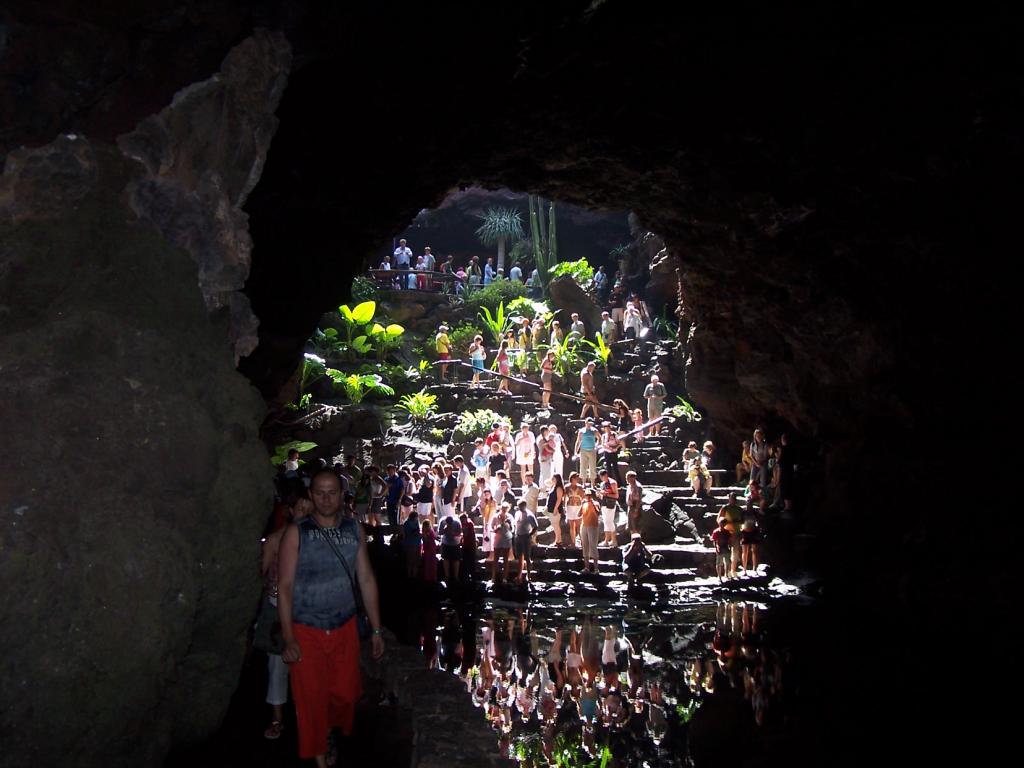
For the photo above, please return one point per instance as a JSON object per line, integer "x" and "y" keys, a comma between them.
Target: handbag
{"x": 267, "y": 635}
{"x": 362, "y": 620}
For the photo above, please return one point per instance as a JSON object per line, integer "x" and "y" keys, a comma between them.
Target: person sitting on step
{"x": 637, "y": 559}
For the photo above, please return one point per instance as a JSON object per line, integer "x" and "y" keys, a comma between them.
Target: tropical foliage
{"x": 358, "y": 385}
{"x": 474, "y": 424}
{"x": 387, "y": 338}
{"x": 602, "y": 352}
{"x": 527, "y": 307}
{"x": 684, "y": 411}
{"x": 281, "y": 452}
{"x": 420, "y": 405}
{"x": 567, "y": 356}
{"x": 580, "y": 271}
{"x": 498, "y": 227}
{"x": 461, "y": 337}
{"x": 494, "y": 294}
{"x": 496, "y": 324}
{"x": 364, "y": 289}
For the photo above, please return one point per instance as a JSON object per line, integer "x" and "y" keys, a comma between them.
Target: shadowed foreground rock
{"x": 136, "y": 485}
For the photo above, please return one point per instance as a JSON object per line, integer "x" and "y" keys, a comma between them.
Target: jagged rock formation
{"x": 136, "y": 484}
{"x": 203, "y": 155}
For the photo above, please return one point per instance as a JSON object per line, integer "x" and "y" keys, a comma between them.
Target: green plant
{"x": 685, "y": 712}
{"x": 580, "y": 271}
{"x": 492, "y": 295}
{"x": 474, "y": 424}
{"x": 364, "y": 289}
{"x": 567, "y": 356}
{"x": 545, "y": 244}
{"x": 665, "y": 325}
{"x": 437, "y": 435}
{"x": 499, "y": 226}
{"x": 498, "y": 323}
{"x": 281, "y": 452}
{"x": 527, "y": 307}
{"x": 461, "y": 337}
{"x": 313, "y": 367}
{"x": 602, "y": 352}
{"x": 387, "y": 338}
{"x": 684, "y": 410}
{"x": 358, "y": 385}
{"x": 419, "y": 405}
{"x": 352, "y": 318}
{"x": 303, "y": 405}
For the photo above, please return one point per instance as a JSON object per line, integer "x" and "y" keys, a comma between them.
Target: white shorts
{"x": 424, "y": 508}
{"x": 608, "y": 518}
{"x": 572, "y": 513}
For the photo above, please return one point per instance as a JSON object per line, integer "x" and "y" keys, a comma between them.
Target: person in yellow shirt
{"x": 444, "y": 347}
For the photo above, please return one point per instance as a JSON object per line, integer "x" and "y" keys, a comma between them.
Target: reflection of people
{"x": 317, "y": 607}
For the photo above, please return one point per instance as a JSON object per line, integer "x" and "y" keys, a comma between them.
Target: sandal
{"x": 274, "y": 731}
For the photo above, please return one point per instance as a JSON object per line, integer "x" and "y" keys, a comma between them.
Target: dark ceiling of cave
{"x": 811, "y": 167}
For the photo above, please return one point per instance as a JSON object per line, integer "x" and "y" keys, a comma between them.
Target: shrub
{"x": 498, "y": 292}
{"x": 580, "y": 271}
{"x": 419, "y": 405}
{"x": 461, "y": 338}
{"x": 526, "y": 307}
{"x": 474, "y": 424}
{"x": 364, "y": 289}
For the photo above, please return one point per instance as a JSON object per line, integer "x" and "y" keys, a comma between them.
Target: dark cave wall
{"x": 830, "y": 180}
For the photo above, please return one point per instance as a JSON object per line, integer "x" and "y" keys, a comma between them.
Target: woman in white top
{"x": 631, "y": 321}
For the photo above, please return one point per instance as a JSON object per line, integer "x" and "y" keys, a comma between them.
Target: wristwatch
{"x": 378, "y": 631}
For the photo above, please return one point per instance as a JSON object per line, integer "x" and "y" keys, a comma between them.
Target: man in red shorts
{"x": 321, "y": 559}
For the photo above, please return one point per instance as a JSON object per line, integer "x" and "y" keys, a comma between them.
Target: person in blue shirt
{"x": 489, "y": 272}
{"x": 412, "y": 539}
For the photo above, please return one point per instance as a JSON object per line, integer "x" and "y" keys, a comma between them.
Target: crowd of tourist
{"x": 427, "y": 272}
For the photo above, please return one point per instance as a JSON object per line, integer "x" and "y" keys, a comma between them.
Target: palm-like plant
{"x": 419, "y": 405}
{"x": 498, "y": 323}
{"x": 499, "y": 226}
{"x": 602, "y": 352}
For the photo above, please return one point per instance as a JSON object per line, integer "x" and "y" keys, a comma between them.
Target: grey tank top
{"x": 322, "y": 596}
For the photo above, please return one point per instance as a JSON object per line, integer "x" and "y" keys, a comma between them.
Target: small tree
{"x": 499, "y": 226}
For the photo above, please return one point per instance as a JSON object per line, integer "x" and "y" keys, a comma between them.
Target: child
{"x": 638, "y": 420}
{"x": 503, "y": 366}
{"x": 723, "y": 548}
{"x": 477, "y": 353}
{"x": 480, "y": 458}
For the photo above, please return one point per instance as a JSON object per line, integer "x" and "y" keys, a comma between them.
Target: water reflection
{"x": 595, "y": 688}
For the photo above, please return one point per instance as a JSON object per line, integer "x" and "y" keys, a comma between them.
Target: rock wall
{"x": 137, "y": 485}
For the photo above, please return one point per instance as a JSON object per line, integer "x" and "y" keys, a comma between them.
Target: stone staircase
{"x": 682, "y": 521}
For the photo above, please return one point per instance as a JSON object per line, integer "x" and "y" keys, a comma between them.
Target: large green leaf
{"x": 363, "y": 313}
{"x": 395, "y": 330}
